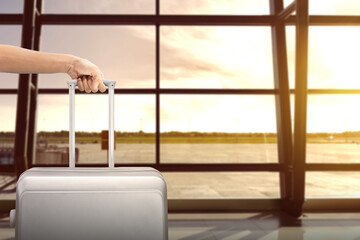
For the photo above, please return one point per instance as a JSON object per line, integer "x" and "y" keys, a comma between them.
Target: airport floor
{"x": 248, "y": 226}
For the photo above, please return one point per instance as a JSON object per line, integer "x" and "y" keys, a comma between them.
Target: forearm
{"x": 19, "y": 60}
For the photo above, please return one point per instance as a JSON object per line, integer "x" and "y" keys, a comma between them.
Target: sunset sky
{"x": 191, "y": 57}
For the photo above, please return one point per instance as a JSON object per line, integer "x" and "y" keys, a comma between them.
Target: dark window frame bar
{"x": 204, "y": 20}
{"x": 209, "y": 20}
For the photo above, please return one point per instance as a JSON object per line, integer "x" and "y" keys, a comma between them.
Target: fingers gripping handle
{"x": 72, "y": 85}
{"x": 108, "y": 83}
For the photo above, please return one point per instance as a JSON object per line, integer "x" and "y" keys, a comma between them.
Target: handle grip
{"x": 111, "y": 86}
{"x": 108, "y": 83}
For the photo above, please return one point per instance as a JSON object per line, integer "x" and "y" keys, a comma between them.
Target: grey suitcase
{"x": 91, "y": 203}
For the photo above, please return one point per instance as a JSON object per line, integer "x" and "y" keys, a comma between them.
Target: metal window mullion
{"x": 282, "y": 102}
{"x": 157, "y": 83}
{"x": 24, "y": 88}
{"x": 34, "y": 92}
{"x": 301, "y": 74}
{"x": 11, "y": 19}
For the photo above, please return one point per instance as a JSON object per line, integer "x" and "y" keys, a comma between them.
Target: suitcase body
{"x": 91, "y": 203}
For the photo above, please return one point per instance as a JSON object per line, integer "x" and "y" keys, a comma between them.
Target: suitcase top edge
{"x": 73, "y": 179}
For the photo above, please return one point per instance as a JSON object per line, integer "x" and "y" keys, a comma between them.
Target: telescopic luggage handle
{"x": 72, "y": 85}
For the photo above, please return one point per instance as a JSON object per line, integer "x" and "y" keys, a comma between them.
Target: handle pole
{"x": 72, "y": 86}
{"x": 111, "y": 125}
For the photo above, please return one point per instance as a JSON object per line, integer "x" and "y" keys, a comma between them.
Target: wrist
{"x": 69, "y": 65}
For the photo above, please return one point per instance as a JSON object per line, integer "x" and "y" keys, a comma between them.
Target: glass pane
{"x": 103, "y": 7}
{"x": 123, "y": 53}
{"x": 7, "y": 128}
{"x": 221, "y": 129}
{"x": 222, "y": 185}
{"x": 290, "y": 48}
{"x": 332, "y": 184}
{"x": 134, "y": 124}
{"x": 334, "y": 7}
{"x": 7, "y": 136}
{"x": 333, "y": 129}
{"x": 232, "y": 7}
{"x": 287, "y": 2}
{"x": 216, "y": 57}
{"x": 11, "y": 6}
{"x": 9, "y": 35}
{"x": 333, "y": 57}
{"x": 7, "y": 187}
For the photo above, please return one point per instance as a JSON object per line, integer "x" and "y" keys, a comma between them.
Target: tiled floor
{"x": 247, "y": 226}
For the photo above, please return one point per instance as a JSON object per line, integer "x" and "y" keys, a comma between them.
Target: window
{"x": 332, "y": 184}
{"x": 125, "y": 54}
{"x": 218, "y": 129}
{"x": 96, "y": 7}
{"x": 191, "y": 96}
{"x": 222, "y": 185}
{"x": 12, "y": 6}
{"x": 216, "y": 57}
{"x": 333, "y": 129}
{"x": 7, "y": 124}
{"x": 333, "y": 54}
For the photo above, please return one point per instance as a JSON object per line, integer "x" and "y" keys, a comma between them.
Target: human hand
{"x": 88, "y": 75}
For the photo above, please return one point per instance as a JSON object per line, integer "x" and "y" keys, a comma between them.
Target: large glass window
{"x": 7, "y": 136}
{"x": 333, "y": 129}
{"x": 333, "y": 53}
{"x": 135, "y": 126}
{"x": 7, "y": 122}
{"x": 333, "y": 57}
{"x": 332, "y": 184}
{"x": 11, "y": 6}
{"x": 200, "y": 127}
{"x": 218, "y": 129}
{"x": 216, "y": 57}
{"x": 222, "y": 185}
{"x": 124, "y": 53}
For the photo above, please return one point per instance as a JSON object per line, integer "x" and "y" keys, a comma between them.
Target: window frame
{"x": 292, "y": 165}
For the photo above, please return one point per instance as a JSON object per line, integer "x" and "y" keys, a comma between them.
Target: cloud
{"x": 177, "y": 64}
{"x": 230, "y": 57}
